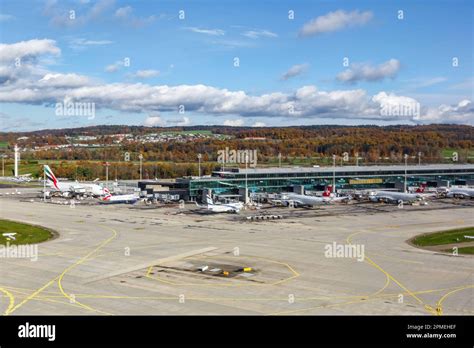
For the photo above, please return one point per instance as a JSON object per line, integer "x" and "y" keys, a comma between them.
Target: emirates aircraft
{"x": 71, "y": 188}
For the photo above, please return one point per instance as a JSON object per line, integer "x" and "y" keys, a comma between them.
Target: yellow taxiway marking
{"x": 373, "y": 263}
{"x": 11, "y": 300}
{"x": 439, "y": 305}
{"x": 60, "y": 277}
{"x": 295, "y": 275}
{"x": 362, "y": 300}
{"x": 153, "y": 262}
{"x": 81, "y": 261}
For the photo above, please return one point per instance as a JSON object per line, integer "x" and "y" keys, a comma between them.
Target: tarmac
{"x": 129, "y": 260}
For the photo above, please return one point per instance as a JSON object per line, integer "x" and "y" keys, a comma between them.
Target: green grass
{"x": 445, "y": 237}
{"x": 448, "y": 152}
{"x": 465, "y": 250}
{"x": 23, "y": 168}
{"x": 3, "y": 144}
{"x": 25, "y": 233}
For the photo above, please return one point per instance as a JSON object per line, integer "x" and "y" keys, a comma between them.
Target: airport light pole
{"x": 405, "y": 182}
{"x": 333, "y": 173}
{"x": 246, "y": 183}
{"x": 3, "y": 165}
{"x": 106, "y": 164}
{"x": 44, "y": 185}
{"x": 199, "y": 163}
{"x": 141, "y": 158}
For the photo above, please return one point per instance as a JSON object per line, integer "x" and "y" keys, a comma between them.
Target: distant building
{"x": 231, "y": 182}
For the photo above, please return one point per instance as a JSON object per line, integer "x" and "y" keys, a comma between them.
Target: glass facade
{"x": 279, "y": 180}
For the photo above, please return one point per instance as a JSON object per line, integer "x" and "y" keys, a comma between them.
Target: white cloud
{"x": 154, "y": 120}
{"x": 145, "y": 74}
{"x": 212, "y": 32}
{"x": 184, "y": 122}
{"x": 28, "y": 50}
{"x": 81, "y": 43}
{"x": 334, "y": 21}
{"x": 61, "y": 16}
{"x": 123, "y": 12}
{"x": 6, "y": 17}
{"x": 259, "y": 124}
{"x": 231, "y": 44}
{"x": 234, "y": 123}
{"x": 33, "y": 84}
{"x": 360, "y": 72}
{"x": 295, "y": 70}
{"x": 115, "y": 66}
{"x": 64, "y": 80}
{"x": 466, "y": 85}
{"x": 426, "y": 82}
{"x": 255, "y": 34}
{"x": 463, "y": 113}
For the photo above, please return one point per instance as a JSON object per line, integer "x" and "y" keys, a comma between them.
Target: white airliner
{"x": 72, "y": 188}
{"x": 395, "y": 197}
{"x": 331, "y": 197}
{"x": 111, "y": 199}
{"x": 303, "y": 200}
{"x": 22, "y": 178}
{"x": 221, "y": 208}
{"x": 464, "y": 192}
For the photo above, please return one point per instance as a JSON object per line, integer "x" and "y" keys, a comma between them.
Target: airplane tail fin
{"x": 50, "y": 176}
{"x": 327, "y": 191}
{"x": 107, "y": 194}
{"x": 209, "y": 199}
{"x": 421, "y": 188}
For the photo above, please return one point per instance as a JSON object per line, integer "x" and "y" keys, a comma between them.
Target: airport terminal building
{"x": 233, "y": 182}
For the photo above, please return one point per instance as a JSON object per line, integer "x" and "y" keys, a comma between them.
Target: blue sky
{"x": 290, "y": 71}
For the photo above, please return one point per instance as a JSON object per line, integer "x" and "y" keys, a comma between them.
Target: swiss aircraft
{"x": 305, "y": 200}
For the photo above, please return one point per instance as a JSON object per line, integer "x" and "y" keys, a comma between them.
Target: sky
{"x": 75, "y": 63}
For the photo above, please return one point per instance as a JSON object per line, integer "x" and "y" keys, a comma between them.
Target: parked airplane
{"x": 331, "y": 197}
{"x": 395, "y": 197}
{"x": 463, "y": 192}
{"x": 421, "y": 191}
{"x": 221, "y": 208}
{"x": 68, "y": 189}
{"x": 22, "y": 178}
{"x": 303, "y": 200}
{"x": 110, "y": 199}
